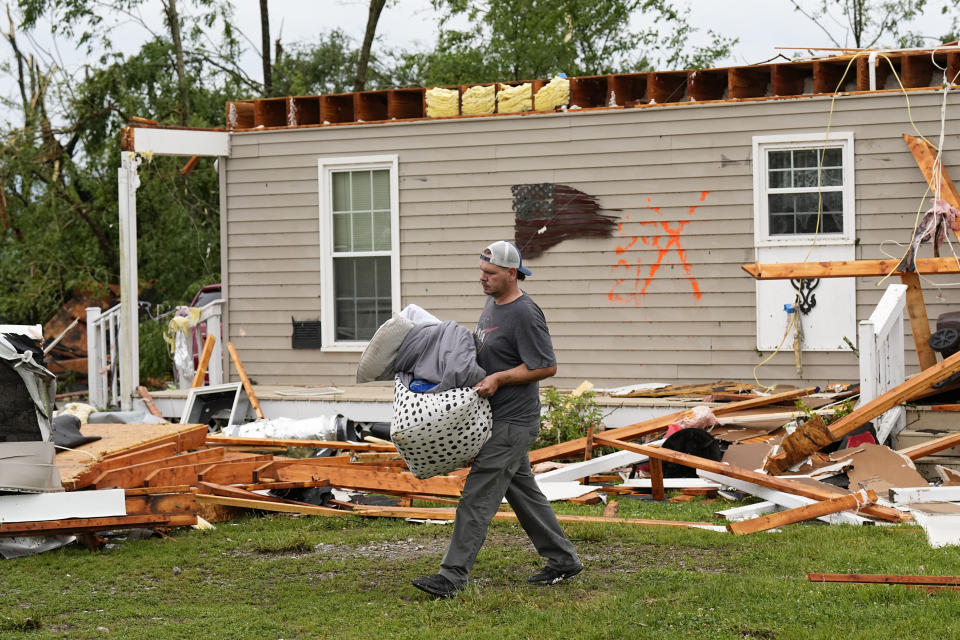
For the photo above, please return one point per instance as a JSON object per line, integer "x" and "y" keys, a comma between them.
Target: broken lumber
{"x": 87, "y": 477}
{"x": 815, "y": 492}
{"x": 148, "y": 401}
{"x": 786, "y": 458}
{"x": 919, "y": 323}
{"x": 247, "y": 385}
{"x": 807, "y": 512}
{"x": 135, "y": 475}
{"x": 401, "y": 482}
{"x": 875, "y": 578}
{"x": 809, "y": 437}
{"x": 575, "y": 448}
{"x": 926, "y": 155}
{"x": 209, "y": 342}
{"x": 76, "y": 525}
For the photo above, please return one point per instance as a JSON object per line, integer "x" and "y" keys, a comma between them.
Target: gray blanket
{"x": 443, "y": 353}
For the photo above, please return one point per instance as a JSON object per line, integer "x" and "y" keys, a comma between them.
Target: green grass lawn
{"x": 310, "y": 577}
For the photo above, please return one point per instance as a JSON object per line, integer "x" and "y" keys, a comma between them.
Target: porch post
{"x": 129, "y": 342}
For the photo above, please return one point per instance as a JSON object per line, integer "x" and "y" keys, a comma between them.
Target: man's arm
{"x": 518, "y": 375}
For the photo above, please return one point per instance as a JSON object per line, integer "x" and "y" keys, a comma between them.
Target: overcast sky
{"x": 761, "y": 25}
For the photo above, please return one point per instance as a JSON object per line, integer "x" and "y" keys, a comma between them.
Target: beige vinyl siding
{"x": 455, "y": 177}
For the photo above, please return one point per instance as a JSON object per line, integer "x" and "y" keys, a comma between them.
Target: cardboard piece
{"x": 880, "y": 468}
{"x": 747, "y": 455}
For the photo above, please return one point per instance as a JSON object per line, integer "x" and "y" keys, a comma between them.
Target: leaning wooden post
{"x": 919, "y": 323}
{"x": 148, "y": 401}
{"x": 208, "y": 344}
{"x": 243, "y": 377}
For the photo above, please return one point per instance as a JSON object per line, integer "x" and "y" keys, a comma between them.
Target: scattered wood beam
{"x": 575, "y": 448}
{"x": 880, "y": 578}
{"x": 816, "y": 492}
{"x": 807, "y": 512}
{"x": 926, "y": 154}
{"x": 77, "y": 525}
{"x": 135, "y": 475}
{"x": 919, "y": 323}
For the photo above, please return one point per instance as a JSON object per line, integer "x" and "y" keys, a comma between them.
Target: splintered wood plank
{"x": 135, "y": 475}
{"x": 211, "y": 488}
{"x": 269, "y": 505}
{"x": 292, "y": 442}
{"x": 818, "y": 491}
{"x": 846, "y": 268}
{"x": 125, "y": 439}
{"x": 880, "y": 578}
{"x": 183, "y": 474}
{"x": 77, "y": 525}
{"x": 931, "y": 447}
{"x": 576, "y": 448}
{"x": 369, "y": 480}
{"x": 807, "y": 512}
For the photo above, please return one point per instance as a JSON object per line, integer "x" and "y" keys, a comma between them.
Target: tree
{"x": 524, "y": 39}
{"x": 58, "y": 176}
{"x": 373, "y": 17}
{"x": 864, "y": 24}
{"x": 265, "y": 48}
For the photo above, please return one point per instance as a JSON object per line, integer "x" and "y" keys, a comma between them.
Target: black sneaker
{"x": 437, "y": 585}
{"x": 549, "y": 575}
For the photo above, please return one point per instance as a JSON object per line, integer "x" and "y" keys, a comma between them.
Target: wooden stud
{"x": 831, "y": 76}
{"x": 371, "y": 480}
{"x": 336, "y": 108}
{"x": 807, "y": 512}
{"x": 628, "y": 89}
{"x": 925, "y": 155}
{"x": 657, "y": 491}
{"x": 88, "y": 476}
{"x": 916, "y": 70}
{"x": 370, "y": 106}
{"x": 815, "y": 492}
{"x": 208, "y": 345}
{"x": 247, "y": 385}
{"x": 166, "y": 504}
{"x": 589, "y": 91}
{"x": 240, "y": 115}
{"x": 232, "y": 472}
{"x": 665, "y": 87}
{"x": 789, "y": 79}
{"x": 148, "y": 401}
{"x": 303, "y": 110}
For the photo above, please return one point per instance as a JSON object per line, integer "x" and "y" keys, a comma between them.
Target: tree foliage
{"x": 525, "y": 39}
{"x": 864, "y": 24}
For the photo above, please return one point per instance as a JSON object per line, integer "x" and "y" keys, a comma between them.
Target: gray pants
{"x": 502, "y": 468}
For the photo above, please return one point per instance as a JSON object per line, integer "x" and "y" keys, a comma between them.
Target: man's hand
{"x": 488, "y": 386}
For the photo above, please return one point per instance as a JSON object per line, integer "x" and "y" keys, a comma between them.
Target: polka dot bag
{"x": 437, "y": 433}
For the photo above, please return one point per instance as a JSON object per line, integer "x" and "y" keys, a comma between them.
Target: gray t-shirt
{"x": 508, "y": 335}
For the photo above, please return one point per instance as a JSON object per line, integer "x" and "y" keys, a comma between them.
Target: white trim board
{"x": 103, "y": 503}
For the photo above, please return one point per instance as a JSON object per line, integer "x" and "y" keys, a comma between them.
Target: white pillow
{"x": 377, "y": 359}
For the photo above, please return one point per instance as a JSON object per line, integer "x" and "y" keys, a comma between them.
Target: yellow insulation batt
{"x": 515, "y": 99}
{"x": 554, "y": 94}
{"x": 478, "y": 101}
{"x": 442, "y": 102}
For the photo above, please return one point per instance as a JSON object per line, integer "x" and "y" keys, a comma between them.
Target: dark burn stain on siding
{"x": 548, "y": 214}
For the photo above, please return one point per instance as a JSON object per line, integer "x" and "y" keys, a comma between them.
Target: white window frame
{"x": 762, "y": 144}
{"x": 326, "y": 166}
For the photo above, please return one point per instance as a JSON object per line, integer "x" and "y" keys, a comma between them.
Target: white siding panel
{"x": 647, "y": 166}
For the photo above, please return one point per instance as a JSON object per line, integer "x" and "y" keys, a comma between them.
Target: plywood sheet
{"x": 114, "y": 438}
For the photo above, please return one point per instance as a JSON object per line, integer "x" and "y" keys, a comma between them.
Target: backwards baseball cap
{"x": 506, "y": 254}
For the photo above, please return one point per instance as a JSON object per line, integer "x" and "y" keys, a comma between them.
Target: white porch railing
{"x": 882, "y": 358}
{"x": 103, "y": 351}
